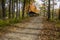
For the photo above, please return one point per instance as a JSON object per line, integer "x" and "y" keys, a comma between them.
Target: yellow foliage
{"x": 31, "y": 8}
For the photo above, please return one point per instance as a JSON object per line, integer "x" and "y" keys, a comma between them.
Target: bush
{"x": 4, "y": 22}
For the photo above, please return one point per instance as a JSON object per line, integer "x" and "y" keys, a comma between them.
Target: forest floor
{"x": 36, "y": 28}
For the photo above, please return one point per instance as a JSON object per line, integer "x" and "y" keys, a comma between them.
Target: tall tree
{"x": 23, "y": 8}
{"x": 28, "y": 6}
{"x": 0, "y": 10}
{"x": 48, "y": 9}
{"x": 59, "y": 12}
{"x": 13, "y": 9}
{"x": 10, "y": 8}
{"x": 3, "y": 9}
{"x": 19, "y": 8}
{"x": 53, "y": 9}
{"x": 17, "y": 13}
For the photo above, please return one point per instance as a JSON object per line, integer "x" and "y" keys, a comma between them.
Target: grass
{"x": 58, "y": 23}
{"x": 8, "y": 22}
{"x": 4, "y": 23}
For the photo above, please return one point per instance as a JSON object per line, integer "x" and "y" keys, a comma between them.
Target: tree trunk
{"x": 59, "y": 12}
{"x": 23, "y": 9}
{"x": 48, "y": 9}
{"x": 12, "y": 8}
{"x": 53, "y": 9}
{"x": 17, "y": 9}
{"x": 3, "y": 9}
{"x": 28, "y": 8}
{"x": 9, "y": 8}
{"x": 0, "y": 10}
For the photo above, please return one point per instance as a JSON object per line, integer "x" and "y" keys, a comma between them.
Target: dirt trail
{"x": 34, "y": 29}
{"x": 24, "y": 31}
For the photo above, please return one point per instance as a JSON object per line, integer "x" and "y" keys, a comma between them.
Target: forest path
{"x": 35, "y": 29}
{"x": 24, "y": 31}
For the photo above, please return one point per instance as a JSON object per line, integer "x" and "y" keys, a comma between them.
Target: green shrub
{"x": 4, "y": 22}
